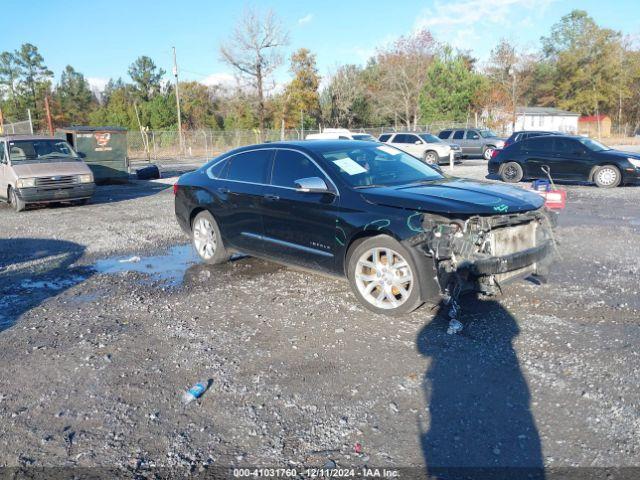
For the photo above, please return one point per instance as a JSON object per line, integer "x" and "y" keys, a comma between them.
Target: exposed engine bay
{"x": 479, "y": 253}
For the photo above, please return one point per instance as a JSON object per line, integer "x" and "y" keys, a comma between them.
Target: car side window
{"x": 385, "y": 137}
{"x": 563, "y": 146}
{"x": 540, "y": 144}
{"x": 2, "y": 159}
{"x": 444, "y": 134}
{"x": 290, "y": 166}
{"x": 472, "y": 135}
{"x": 458, "y": 135}
{"x": 401, "y": 138}
{"x": 252, "y": 167}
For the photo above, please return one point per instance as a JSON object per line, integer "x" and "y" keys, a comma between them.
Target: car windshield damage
{"x": 29, "y": 150}
{"x": 375, "y": 166}
{"x": 488, "y": 134}
{"x": 363, "y": 136}
{"x": 427, "y": 137}
{"x": 593, "y": 145}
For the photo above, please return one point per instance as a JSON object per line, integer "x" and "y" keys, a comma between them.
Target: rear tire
{"x": 17, "y": 203}
{"x": 207, "y": 239}
{"x": 511, "y": 172}
{"x": 383, "y": 276}
{"x": 487, "y": 150}
{"x": 607, "y": 176}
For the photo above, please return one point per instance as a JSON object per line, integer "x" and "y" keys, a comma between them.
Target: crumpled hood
{"x": 456, "y": 196}
{"x": 50, "y": 169}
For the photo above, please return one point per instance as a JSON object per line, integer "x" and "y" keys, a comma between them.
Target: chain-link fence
{"x": 23, "y": 127}
{"x": 163, "y": 145}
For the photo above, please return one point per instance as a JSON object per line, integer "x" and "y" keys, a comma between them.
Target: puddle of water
{"x": 169, "y": 268}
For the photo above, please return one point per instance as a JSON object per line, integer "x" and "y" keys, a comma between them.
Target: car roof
{"x": 312, "y": 145}
{"x": 17, "y": 136}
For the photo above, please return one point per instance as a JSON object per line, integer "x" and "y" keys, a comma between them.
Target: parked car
{"x": 524, "y": 134}
{"x": 399, "y": 230}
{"x": 425, "y": 146}
{"x": 35, "y": 169}
{"x": 566, "y": 157}
{"x": 473, "y": 141}
{"x": 339, "y": 134}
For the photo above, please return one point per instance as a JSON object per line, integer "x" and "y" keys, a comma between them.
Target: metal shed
{"x": 104, "y": 149}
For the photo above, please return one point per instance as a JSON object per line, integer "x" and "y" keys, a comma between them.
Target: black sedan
{"x": 566, "y": 157}
{"x": 398, "y": 229}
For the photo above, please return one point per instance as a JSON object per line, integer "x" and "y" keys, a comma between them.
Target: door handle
{"x": 223, "y": 190}
{"x": 270, "y": 196}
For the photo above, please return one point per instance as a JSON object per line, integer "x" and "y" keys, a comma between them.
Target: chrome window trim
{"x": 327, "y": 177}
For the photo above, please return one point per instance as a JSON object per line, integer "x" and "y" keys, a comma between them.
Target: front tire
{"x": 511, "y": 172}
{"x": 607, "y": 176}
{"x": 383, "y": 276}
{"x": 207, "y": 239}
{"x": 16, "y": 202}
{"x": 430, "y": 157}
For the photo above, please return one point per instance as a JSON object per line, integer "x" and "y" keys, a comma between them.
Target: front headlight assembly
{"x": 85, "y": 178}
{"x": 634, "y": 161}
{"x": 26, "y": 183}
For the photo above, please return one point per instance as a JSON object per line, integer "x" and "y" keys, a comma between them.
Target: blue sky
{"x": 102, "y": 39}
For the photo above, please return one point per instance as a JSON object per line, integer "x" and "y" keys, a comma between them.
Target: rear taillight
{"x": 175, "y": 188}
{"x": 506, "y": 144}
{"x": 495, "y": 153}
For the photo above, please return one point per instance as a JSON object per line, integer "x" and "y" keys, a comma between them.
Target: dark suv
{"x": 473, "y": 141}
{"x": 566, "y": 157}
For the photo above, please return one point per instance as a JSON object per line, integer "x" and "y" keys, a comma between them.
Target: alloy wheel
{"x": 607, "y": 176}
{"x": 384, "y": 278}
{"x": 204, "y": 238}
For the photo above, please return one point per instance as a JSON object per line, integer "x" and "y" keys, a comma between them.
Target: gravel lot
{"x": 107, "y": 317}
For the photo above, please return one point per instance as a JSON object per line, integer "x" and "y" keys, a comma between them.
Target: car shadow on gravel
{"x": 33, "y": 270}
{"x": 128, "y": 191}
{"x": 481, "y": 425}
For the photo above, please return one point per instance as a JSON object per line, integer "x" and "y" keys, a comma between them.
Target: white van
{"x": 340, "y": 134}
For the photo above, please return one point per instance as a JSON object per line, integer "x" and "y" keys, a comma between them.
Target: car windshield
{"x": 427, "y": 137}
{"x": 363, "y": 136}
{"x": 378, "y": 166}
{"x": 29, "y": 150}
{"x": 593, "y": 145}
{"x": 488, "y": 134}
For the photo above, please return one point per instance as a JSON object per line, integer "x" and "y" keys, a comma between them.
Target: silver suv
{"x": 425, "y": 146}
{"x": 474, "y": 141}
{"x": 35, "y": 169}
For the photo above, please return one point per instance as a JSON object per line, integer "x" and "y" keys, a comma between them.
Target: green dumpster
{"x": 104, "y": 149}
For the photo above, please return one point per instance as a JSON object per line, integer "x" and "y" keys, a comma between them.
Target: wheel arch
{"x": 602, "y": 164}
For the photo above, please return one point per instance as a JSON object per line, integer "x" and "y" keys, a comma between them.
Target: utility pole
{"x": 301, "y": 125}
{"x": 48, "y": 112}
{"x": 30, "y": 122}
{"x": 512, "y": 72}
{"x": 175, "y": 74}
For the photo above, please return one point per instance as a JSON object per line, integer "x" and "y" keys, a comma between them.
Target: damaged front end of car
{"x": 479, "y": 253}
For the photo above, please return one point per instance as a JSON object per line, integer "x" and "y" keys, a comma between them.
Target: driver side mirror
{"x": 311, "y": 185}
{"x": 417, "y": 142}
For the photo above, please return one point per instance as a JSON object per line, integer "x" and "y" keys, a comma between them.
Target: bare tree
{"x": 402, "y": 72}
{"x": 253, "y": 51}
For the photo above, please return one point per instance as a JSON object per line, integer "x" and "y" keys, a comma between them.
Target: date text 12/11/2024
{"x": 363, "y": 472}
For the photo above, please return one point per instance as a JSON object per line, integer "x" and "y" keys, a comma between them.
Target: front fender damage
{"x": 479, "y": 253}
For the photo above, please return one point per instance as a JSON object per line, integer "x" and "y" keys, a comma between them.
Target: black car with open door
{"x": 568, "y": 158}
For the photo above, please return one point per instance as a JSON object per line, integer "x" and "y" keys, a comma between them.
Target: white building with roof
{"x": 546, "y": 118}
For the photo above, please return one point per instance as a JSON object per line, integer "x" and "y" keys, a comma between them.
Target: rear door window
{"x": 252, "y": 167}
{"x": 540, "y": 144}
{"x": 385, "y": 137}
{"x": 290, "y": 166}
{"x": 458, "y": 135}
